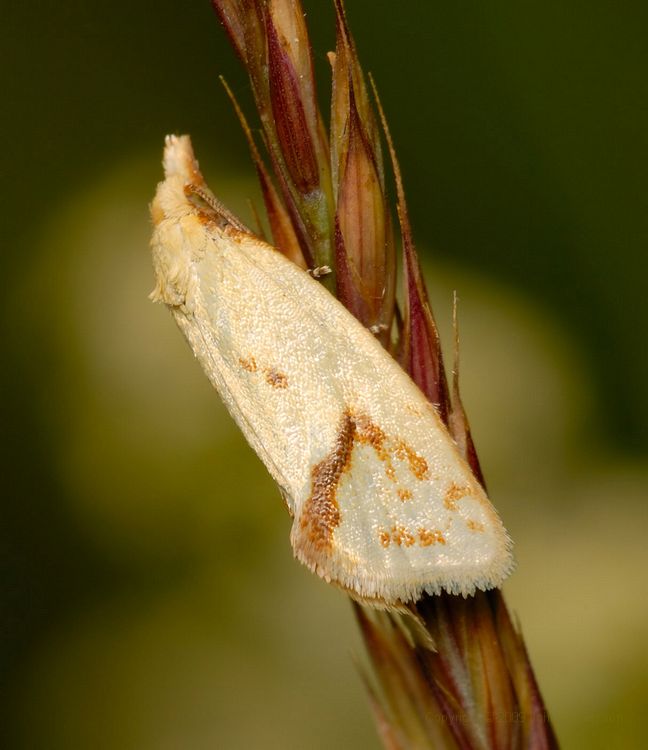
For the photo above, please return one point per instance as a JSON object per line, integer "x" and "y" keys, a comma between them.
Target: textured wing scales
{"x": 383, "y": 503}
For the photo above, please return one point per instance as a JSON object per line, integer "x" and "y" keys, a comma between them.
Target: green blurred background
{"x": 149, "y": 598}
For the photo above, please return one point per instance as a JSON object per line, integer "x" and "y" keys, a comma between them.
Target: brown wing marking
{"x": 320, "y": 515}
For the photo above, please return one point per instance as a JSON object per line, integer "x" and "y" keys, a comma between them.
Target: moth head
{"x": 186, "y": 217}
{"x": 179, "y": 160}
{"x": 176, "y": 233}
{"x": 180, "y": 170}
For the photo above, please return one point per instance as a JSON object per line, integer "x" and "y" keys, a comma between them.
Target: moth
{"x": 383, "y": 504}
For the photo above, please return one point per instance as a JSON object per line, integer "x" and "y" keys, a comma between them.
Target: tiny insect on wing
{"x": 383, "y": 504}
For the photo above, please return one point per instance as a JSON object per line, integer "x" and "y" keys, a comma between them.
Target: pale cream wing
{"x": 383, "y": 504}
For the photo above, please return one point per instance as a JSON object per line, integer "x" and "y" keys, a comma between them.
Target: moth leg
{"x": 320, "y": 271}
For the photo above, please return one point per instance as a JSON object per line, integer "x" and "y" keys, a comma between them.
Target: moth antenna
{"x": 216, "y": 206}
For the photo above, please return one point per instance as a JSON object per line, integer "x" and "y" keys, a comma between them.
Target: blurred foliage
{"x": 149, "y": 599}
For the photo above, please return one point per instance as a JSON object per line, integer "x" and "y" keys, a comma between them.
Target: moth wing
{"x": 383, "y": 504}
